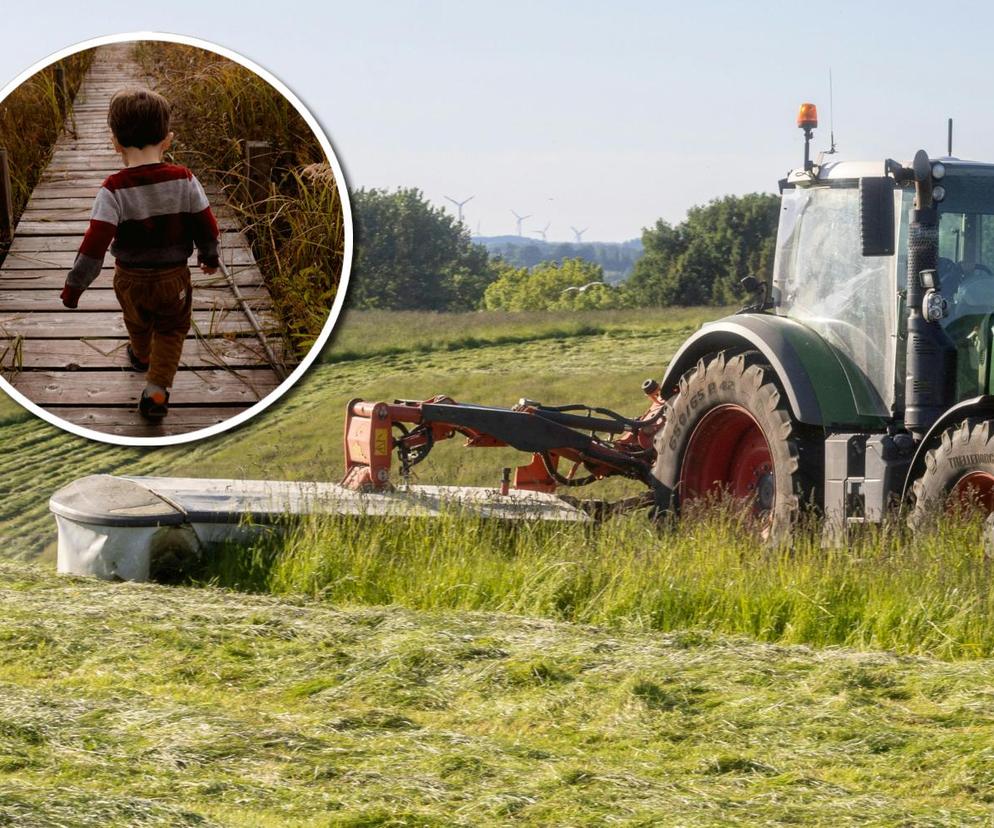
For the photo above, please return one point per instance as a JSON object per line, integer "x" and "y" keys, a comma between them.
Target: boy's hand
{"x": 210, "y": 271}
{"x": 70, "y": 296}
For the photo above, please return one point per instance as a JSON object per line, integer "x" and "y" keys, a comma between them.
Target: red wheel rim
{"x": 728, "y": 453}
{"x": 975, "y": 488}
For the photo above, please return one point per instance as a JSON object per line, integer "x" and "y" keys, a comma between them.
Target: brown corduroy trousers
{"x": 156, "y": 305}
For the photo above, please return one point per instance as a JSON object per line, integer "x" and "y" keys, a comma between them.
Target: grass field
{"x": 467, "y": 674}
{"x": 126, "y": 705}
{"x": 375, "y": 355}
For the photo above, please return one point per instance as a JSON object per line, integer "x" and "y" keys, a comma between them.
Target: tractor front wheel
{"x": 729, "y": 432}
{"x": 959, "y": 472}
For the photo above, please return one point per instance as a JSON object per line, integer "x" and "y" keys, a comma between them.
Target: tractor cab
{"x": 825, "y": 278}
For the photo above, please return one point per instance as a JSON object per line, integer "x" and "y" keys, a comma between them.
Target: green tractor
{"x": 861, "y": 377}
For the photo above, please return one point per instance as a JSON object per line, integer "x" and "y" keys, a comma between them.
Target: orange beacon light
{"x": 807, "y": 116}
{"x": 807, "y": 119}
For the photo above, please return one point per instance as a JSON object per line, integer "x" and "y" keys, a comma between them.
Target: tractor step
{"x": 134, "y": 528}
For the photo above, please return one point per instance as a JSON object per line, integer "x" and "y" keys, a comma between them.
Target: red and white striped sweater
{"x": 150, "y": 216}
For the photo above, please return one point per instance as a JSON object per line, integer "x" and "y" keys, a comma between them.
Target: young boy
{"x": 151, "y": 215}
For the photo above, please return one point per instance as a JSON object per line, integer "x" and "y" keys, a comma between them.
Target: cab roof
{"x": 831, "y": 170}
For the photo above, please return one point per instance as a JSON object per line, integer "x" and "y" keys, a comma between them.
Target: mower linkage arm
{"x": 549, "y": 434}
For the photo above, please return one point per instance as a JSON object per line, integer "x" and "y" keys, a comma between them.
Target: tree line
{"x": 616, "y": 258}
{"x": 412, "y": 255}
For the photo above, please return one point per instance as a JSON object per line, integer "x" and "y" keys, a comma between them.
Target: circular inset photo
{"x": 175, "y": 239}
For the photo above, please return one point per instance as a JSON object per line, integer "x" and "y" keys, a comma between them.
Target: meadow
{"x": 456, "y": 672}
{"x": 142, "y": 705}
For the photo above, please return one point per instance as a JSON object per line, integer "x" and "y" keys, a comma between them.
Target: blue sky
{"x": 580, "y": 114}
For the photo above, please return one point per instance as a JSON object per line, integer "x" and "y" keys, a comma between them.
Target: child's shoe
{"x": 154, "y": 403}
{"x": 136, "y": 364}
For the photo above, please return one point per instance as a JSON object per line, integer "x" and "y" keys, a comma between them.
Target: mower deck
{"x": 128, "y": 528}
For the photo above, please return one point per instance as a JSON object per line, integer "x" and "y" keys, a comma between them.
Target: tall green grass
{"x": 31, "y": 121}
{"x": 927, "y": 594}
{"x": 297, "y": 229}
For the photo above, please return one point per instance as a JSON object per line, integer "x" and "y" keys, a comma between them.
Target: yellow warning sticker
{"x": 380, "y": 441}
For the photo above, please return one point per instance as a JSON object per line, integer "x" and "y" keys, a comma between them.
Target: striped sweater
{"x": 150, "y": 216}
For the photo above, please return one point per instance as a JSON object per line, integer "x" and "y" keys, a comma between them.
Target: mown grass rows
{"x": 142, "y": 705}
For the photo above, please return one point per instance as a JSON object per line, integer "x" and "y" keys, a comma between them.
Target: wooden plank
{"x": 127, "y": 421}
{"x": 208, "y": 387}
{"x": 31, "y": 301}
{"x": 245, "y": 277}
{"x": 52, "y": 212}
{"x": 65, "y": 178}
{"x": 229, "y": 240}
{"x": 73, "y": 189}
{"x": 85, "y": 378}
{"x": 46, "y": 192}
{"x": 78, "y": 227}
{"x": 62, "y": 202}
{"x": 73, "y": 325}
{"x": 67, "y": 159}
{"x": 57, "y": 259}
{"x": 71, "y": 354}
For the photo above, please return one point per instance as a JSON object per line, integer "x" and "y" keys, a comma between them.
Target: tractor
{"x": 857, "y": 380}
{"x": 857, "y": 383}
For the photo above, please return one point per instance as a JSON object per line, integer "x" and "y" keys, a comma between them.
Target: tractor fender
{"x": 821, "y": 388}
{"x": 975, "y": 406}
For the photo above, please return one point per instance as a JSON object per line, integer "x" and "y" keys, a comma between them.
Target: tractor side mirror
{"x": 876, "y": 216}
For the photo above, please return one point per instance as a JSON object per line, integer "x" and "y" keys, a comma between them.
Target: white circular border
{"x": 336, "y": 308}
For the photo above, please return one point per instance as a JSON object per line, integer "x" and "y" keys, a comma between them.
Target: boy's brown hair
{"x": 138, "y": 117}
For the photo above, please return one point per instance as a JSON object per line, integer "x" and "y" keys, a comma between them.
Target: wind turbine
{"x": 578, "y": 233}
{"x": 543, "y": 231}
{"x": 519, "y": 219}
{"x": 459, "y": 204}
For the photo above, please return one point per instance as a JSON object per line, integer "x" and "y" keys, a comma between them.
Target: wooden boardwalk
{"x": 73, "y": 362}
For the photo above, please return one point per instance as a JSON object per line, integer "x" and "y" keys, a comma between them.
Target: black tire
{"x": 966, "y": 448}
{"x": 726, "y": 383}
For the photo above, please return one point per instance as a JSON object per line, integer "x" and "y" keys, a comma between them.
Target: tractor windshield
{"x": 822, "y": 279}
{"x": 966, "y": 259}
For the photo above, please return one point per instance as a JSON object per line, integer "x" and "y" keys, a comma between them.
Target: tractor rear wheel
{"x": 959, "y": 472}
{"x": 729, "y": 432}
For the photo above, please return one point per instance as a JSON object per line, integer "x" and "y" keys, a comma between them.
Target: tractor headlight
{"x": 934, "y": 306}
{"x": 938, "y": 192}
{"x": 938, "y": 170}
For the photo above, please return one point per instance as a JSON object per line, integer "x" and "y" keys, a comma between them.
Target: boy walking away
{"x": 151, "y": 214}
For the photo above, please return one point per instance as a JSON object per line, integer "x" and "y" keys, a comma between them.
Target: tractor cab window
{"x": 966, "y": 260}
{"x": 822, "y": 279}
{"x": 966, "y": 256}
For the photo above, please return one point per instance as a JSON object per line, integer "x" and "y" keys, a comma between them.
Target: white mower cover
{"x": 120, "y": 528}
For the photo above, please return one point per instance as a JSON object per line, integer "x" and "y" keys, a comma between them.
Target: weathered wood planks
{"x": 73, "y": 362}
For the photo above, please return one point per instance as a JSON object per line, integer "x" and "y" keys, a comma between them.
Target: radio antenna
{"x": 949, "y": 147}
{"x": 831, "y": 116}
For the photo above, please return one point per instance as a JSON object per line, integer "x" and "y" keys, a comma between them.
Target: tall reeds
{"x": 31, "y": 120}
{"x": 294, "y": 219}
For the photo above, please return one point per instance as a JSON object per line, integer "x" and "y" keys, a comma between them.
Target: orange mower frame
{"x": 599, "y": 441}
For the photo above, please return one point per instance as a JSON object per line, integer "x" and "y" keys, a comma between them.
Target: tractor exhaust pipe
{"x": 931, "y": 355}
